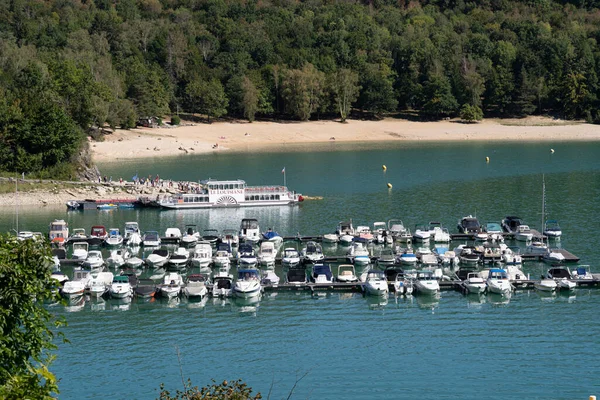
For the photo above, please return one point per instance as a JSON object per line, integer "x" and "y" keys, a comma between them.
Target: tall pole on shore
{"x": 284, "y": 181}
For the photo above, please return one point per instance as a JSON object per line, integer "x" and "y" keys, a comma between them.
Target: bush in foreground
{"x": 236, "y": 390}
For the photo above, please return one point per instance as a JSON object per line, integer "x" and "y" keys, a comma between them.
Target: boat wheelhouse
{"x": 231, "y": 193}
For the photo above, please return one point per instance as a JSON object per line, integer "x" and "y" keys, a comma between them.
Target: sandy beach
{"x": 264, "y": 136}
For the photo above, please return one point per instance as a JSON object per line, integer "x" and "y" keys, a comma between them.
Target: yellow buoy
{"x": 551, "y": 150}
{"x": 389, "y": 185}
{"x": 487, "y": 159}
{"x": 383, "y": 167}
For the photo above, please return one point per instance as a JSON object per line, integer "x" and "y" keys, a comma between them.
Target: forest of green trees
{"x": 66, "y": 65}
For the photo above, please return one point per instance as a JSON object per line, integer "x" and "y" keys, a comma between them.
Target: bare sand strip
{"x": 267, "y": 136}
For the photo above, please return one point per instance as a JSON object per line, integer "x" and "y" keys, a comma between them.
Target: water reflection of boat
{"x": 75, "y": 304}
{"x": 377, "y": 302}
{"x": 498, "y": 299}
{"x": 430, "y": 302}
{"x": 248, "y": 305}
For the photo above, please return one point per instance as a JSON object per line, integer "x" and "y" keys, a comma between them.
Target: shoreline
{"x": 241, "y": 136}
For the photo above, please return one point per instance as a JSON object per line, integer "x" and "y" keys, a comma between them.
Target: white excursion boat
{"x": 114, "y": 237}
{"x": 475, "y": 283}
{"x": 202, "y": 256}
{"x": 121, "y": 288}
{"x": 151, "y": 239}
{"x": 426, "y": 283}
{"x": 247, "y": 284}
{"x": 523, "y": 233}
{"x": 158, "y": 258}
{"x": 290, "y": 257}
{"x": 312, "y": 252}
{"x": 222, "y": 284}
{"x": 497, "y": 282}
{"x": 80, "y": 250}
{"x": 231, "y": 193}
{"x": 171, "y": 286}
{"x": 94, "y": 260}
{"x": 78, "y": 285}
{"x": 59, "y": 231}
{"x": 195, "y": 286}
{"x": 376, "y": 283}
{"x": 249, "y": 230}
{"x": 132, "y": 235}
{"x": 266, "y": 253}
{"x": 346, "y": 273}
{"x": 552, "y": 230}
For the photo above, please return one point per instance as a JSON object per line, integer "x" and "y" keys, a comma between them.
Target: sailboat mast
{"x": 543, "y": 202}
{"x": 17, "y": 203}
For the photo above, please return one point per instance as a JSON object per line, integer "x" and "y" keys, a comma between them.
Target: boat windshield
{"x": 471, "y": 223}
{"x": 249, "y": 224}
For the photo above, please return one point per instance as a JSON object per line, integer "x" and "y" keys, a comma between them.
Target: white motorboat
{"x": 271, "y": 235}
{"x": 195, "y": 286}
{"x": 171, "y": 286}
{"x": 158, "y": 258}
{"x": 523, "y": 233}
{"x": 132, "y": 235}
{"x": 78, "y": 285}
{"x": 497, "y": 282}
{"x": 364, "y": 233}
{"x": 97, "y": 235}
{"x": 202, "y": 256}
{"x": 438, "y": 233}
{"x": 330, "y": 238}
{"x": 59, "y": 231}
{"x": 179, "y": 258}
{"x": 80, "y": 251}
{"x": 114, "y": 238}
{"x": 346, "y": 273}
{"x": 395, "y": 275}
{"x": 94, "y": 260}
{"x": 249, "y": 230}
{"x": 546, "y": 285}
{"x": 446, "y": 257}
{"x": 475, "y": 283}
{"x": 398, "y": 231}
{"x": 120, "y": 288}
{"x": 563, "y": 277}
{"x": 222, "y": 284}
{"x": 246, "y": 256}
{"x": 552, "y": 230}
{"x": 247, "y": 284}
{"x": 493, "y": 231}
{"x": 421, "y": 233}
{"x": 583, "y": 272}
{"x": 376, "y": 283}
{"x": 99, "y": 285}
{"x": 117, "y": 258}
{"x": 230, "y": 236}
{"x": 358, "y": 254}
{"x": 426, "y": 283}
{"x": 78, "y": 234}
{"x": 134, "y": 262}
{"x": 269, "y": 277}
{"x": 536, "y": 248}
{"x": 553, "y": 257}
{"x": 468, "y": 255}
{"x": 386, "y": 257}
{"x": 312, "y": 252}
{"x": 191, "y": 236}
{"x": 345, "y": 232}
{"x": 151, "y": 239}
{"x": 406, "y": 257}
{"x": 511, "y": 256}
{"x": 321, "y": 273}
{"x": 266, "y": 253}
{"x": 173, "y": 235}
{"x": 382, "y": 236}
{"x": 290, "y": 257}
{"x": 222, "y": 259}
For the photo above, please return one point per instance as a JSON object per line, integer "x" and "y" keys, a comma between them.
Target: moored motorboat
{"x": 546, "y": 284}
{"x": 312, "y": 252}
{"x": 179, "y": 258}
{"x": 146, "y": 288}
{"x": 202, "y": 256}
{"x": 266, "y": 253}
{"x": 330, "y": 238}
{"x": 296, "y": 276}
{"x": 497, "y": 282}
{"x": 438, "y": 233}
{"x": 474, "y": 283}
{"x": 80, "y": 251}
{"x": 249, "y": 230}
{"x": 59, "y": 231}
{"x": 523, "y": 233}
{"x": 158, "y": 258}
{"x": 290, "y": 257}
{"x": 117, "y": 258}
{"x": 376, "y": 283}
{"x": 469, "y": 225}
{"x": 78, "y": 285}
{"x": 151, "y": 239}
{"x": 426, "y": 283}
{"x": 321, "y": 273}
{"x": 358, "y": 253}
{"x": 132, "y": 235}
{"x": 191, "y": 236}
{"x": 247, "y": 284}
{"x": 246, "y": 256}
{"x": 94, "y": 260}
{"x": 114, "y": 238}
{"x": 99, "y": 285}
{"x": 271, "y": 235}
{"x": 406, "y": 257}
{"x": 121, "y": 288}
{"x": 345, "y": 232}
{"x": 552, "y": 230}
{"x": 421, "y": 233}
{"x": 346, "y": 273}
{"x": 195, "y": 286}
{"x": 269, "y": 277}
{"x": 222, "y": 284}
{"x": 562, "y": 276}
{"x": 97, "y": 235}
{"x": 553, "y": 257}
{"x": 171, "y": 286}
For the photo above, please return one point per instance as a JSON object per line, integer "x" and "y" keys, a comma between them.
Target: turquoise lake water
{"x": 451, "y": 347}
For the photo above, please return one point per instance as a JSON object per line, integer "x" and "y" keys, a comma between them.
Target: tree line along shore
{"x": 67, "y": 67}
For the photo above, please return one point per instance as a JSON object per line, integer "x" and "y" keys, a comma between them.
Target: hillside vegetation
{"x": 68, "y": 65}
